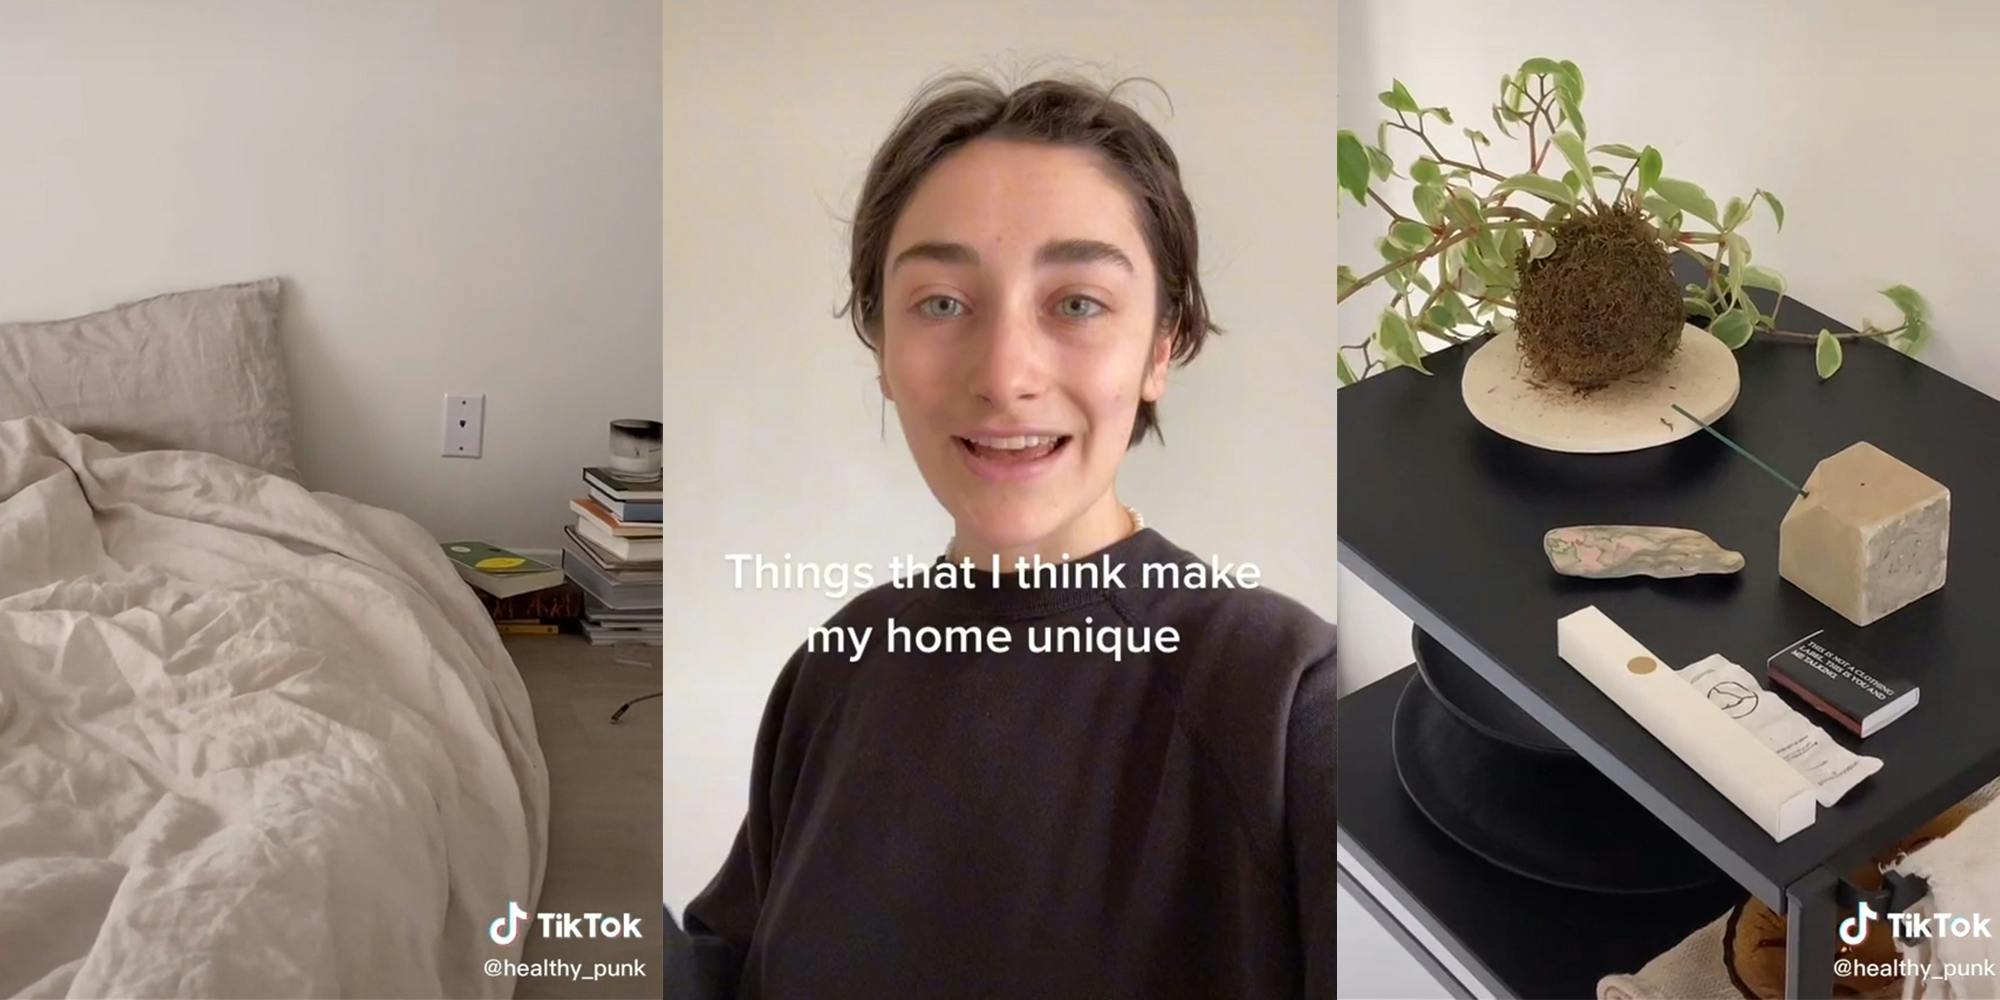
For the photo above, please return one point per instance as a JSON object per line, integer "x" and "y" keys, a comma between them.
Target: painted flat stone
{"x": 1607, "y": 551}
{"x": 1870, "y": 535}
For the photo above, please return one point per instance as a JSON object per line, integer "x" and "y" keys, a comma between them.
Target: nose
{"x": 1008, "y": 363}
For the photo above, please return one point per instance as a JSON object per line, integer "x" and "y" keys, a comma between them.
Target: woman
{"x": 1019, "y": 824}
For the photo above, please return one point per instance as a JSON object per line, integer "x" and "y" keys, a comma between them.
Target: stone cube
{"x": 1868, "y": 537}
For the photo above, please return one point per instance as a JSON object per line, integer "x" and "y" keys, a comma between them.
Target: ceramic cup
{"x": 635, "y": 446}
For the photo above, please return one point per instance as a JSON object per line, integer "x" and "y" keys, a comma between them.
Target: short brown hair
{"x": 954, "y": 110}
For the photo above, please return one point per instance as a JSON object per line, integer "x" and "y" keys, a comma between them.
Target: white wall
{"x": 1874, "y": 123}
{"x": 462, "y": 196}
{"x": 771, "y": 118}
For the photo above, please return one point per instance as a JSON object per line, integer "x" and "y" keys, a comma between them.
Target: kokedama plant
{"x": 1585, "y": 282}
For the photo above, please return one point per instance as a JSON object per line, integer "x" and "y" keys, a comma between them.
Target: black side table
{"x": 1444, "y": 518}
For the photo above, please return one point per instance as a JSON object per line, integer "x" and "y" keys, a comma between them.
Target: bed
{"x": 259, "y": 740}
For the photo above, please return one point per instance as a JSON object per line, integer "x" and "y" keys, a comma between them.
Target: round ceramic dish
{"x": 1627, "y": 415}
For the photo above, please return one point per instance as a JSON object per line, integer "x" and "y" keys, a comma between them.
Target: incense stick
{"x": 1724, "y": 438}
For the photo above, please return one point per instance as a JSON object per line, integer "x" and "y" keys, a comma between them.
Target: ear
{"x": 882, "y": 382}
{"x": 1155, "y": 384}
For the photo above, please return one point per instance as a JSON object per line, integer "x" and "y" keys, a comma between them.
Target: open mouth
{"x": 1010, "y": 451}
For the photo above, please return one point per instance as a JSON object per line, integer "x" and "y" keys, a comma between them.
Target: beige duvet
{"x": 262, "y": 740}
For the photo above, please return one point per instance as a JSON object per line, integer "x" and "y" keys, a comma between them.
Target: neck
{"x": 1104, "y": 523}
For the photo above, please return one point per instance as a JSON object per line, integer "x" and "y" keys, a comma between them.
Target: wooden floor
{"x": 604, "y": 816}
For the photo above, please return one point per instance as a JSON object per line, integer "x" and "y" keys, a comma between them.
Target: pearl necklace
{"x": 1138, "y": 525}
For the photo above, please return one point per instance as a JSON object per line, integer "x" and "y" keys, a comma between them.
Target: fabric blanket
{"x": 1963, "y": 869}
{"x": 263, "y": 741}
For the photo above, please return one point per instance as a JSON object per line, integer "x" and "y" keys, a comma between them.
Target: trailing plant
{"x": 1576, "y": 263}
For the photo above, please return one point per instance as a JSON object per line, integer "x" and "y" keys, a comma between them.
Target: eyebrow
{"x": 1076, "y": 251}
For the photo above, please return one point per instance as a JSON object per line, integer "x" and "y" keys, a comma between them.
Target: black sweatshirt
{"x": 1048, "y": 825}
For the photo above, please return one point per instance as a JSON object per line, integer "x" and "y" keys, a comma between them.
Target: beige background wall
{"x": 463, "y": 196}
{"x": 771, "y": 117}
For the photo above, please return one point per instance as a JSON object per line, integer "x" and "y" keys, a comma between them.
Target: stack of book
{"x": 613, "y": 553}
{"x": 525, "y": 596}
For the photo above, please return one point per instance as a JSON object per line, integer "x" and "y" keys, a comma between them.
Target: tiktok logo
{"x": 1854, "y": 929}
{"x": 516, "y": 916}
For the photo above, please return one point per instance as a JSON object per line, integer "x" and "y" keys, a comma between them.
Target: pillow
{"x": 194, "y": 371}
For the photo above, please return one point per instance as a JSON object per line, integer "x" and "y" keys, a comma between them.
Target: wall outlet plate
{"x": 464, "y": 425}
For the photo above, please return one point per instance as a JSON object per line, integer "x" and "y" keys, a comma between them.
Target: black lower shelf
{"x": 1523, "y": 937}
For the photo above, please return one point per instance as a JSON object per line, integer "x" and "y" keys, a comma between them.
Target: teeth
{"x": 1015, "y": 443}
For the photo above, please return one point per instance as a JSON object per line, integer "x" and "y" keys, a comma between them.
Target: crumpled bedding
{"x": 263, "y": 741}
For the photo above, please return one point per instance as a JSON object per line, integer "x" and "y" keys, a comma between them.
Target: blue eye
{"x": 1079, "y": 307}
{"x": 940, "y": 307}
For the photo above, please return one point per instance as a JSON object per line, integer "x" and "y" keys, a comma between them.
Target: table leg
{"x": 1811, "y": 915}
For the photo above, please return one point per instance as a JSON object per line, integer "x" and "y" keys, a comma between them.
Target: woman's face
{"x": 1019, "y": 336}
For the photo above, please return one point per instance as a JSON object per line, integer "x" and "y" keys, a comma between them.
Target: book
{"x": 618, "y": 569}
{"x": 629, "y": 511}
{"x": 610, "y": 593}
{"x": 1834, "y": 677}
{"x": 518, "y": 628}
{"x": 497, "y": 571}
{"x": 590, "y": 509}
{"x": 563, "y": 602}
{"x": 625, "y": 485}
{"x": 626, "y": 548}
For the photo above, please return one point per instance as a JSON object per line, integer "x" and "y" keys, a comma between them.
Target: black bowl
{"x": 1543, "y": 816}
{"x": 1478, "y": 703}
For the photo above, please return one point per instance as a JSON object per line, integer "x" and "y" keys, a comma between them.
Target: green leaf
{"x": 1340, "y": 366}
{"x": 1396, "y": 341}
{"x": 1464, "y": 208}
{"x": 1737, "y": 249}
{"x": 1614, "y": 148}
{"x": 1429, "y": 199}
{"x": 1385, "y": 168}
{"x": 1442, "y": 114}
{"x": 1343, "y": 280}
{"x": 1909, "y": 303}
{"x": 1733, "y": 328}
{"x": 1916, "y": 316}
{"x": 1520, "y": 92}
{"x": 1543, "y": 245}
{"x": 1410, "y": 235}
{"x": 1472, "y": 281}
{"x": 1352, "y": 165}
{"x": 1398, "y": 99}
{"x": 1649, "y": 170}
{"x": 1535, "y": 67}
{"x": 1763, "y": 277}
{"x": 1660, "y": 208}
{"x": 1572, "y": 150}
{"x": 1539, "y": 186}
{"x": 1474, "y": 136}
{"x": 1424, "y": 171}
{"x": 1826, "y": 354}
{"x": 1777, "y": 209}
{"x": 1696, "y": 306}
{"x": 1389, "y": 252}
{"x": 1734, "y": 213}
{"x": 1574, "y": 77}
{"x": 1571, "y": 181}
{"x": 1669, "y": 227}
{"x": 1572, "y": 113}
{"x": 1688, "y": 197}
{"x": 1382, "y": 135}
{"x": 1500, "y": 122}
{"x": 1605, "y": 172}
{"x": 1461, "y": 313}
